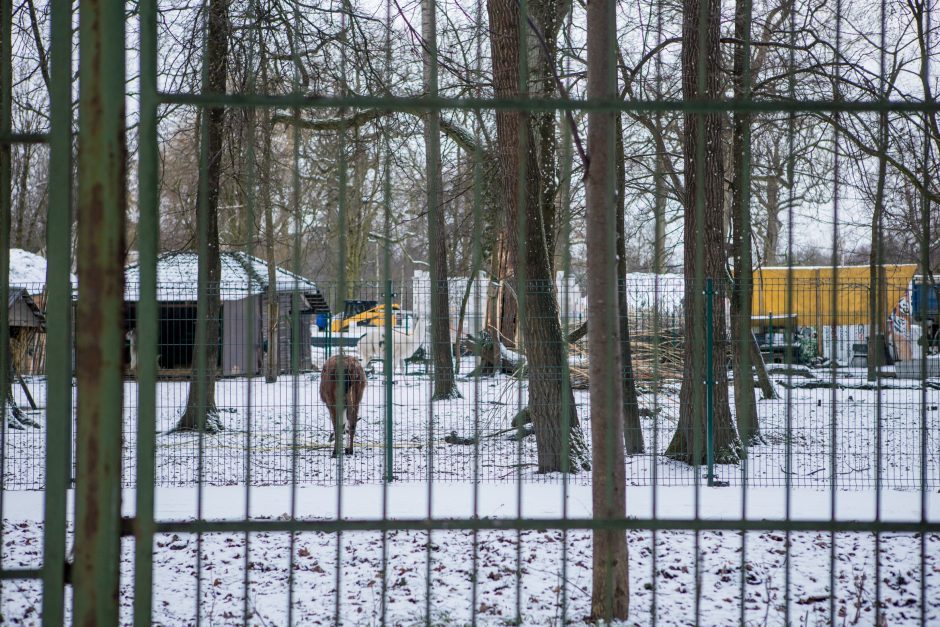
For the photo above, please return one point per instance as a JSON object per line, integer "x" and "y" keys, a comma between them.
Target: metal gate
{"x": 82, "y": 552}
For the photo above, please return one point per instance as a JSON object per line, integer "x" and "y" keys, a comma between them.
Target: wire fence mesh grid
{"x": 482, "y": 425}
{"x": 851, "y": 366}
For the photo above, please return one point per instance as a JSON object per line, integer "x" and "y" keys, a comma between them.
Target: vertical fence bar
{"x": 102, "y": 205}
{"x": 658, "y": 266}
{"x": 346, "y": 16}
{"x": 924, "y": 300}
{"x": 387, "y": 361}
{"x": 387, "y": 364}
{"x": 256, "y": 66}
{"x": 58, "y": 317}
{"x": 148, "y": 238}
{"x": 6, "y": 130}
{"x": 303, "y": 335}
{"x": 709, "y": 382}
{"x": 834, "y": 371}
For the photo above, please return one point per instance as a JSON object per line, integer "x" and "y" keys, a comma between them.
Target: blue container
{"x": 933, "y": 300}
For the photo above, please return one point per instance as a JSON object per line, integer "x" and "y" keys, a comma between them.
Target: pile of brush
{"x": 655, "y": 358}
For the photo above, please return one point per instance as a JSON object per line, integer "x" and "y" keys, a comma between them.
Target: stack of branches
{"x": 657, "y": 355}
{"x": 656, "y": 358}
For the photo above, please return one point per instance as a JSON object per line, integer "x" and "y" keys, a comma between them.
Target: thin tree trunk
{"x": 549, "y": 403}
{"x": 610, "y": 597}
{"x": 745, "y": 405}
{"x": 757, "y": 360}
{"x": 207, "y": 222}
{"x": 445, "y": 385}
{"x": 274, "y": 353}
{"x": 704, "y": 194}
{"x": 659, "y": 210}
{"x": 501, "y": 302}
{"x": 632, "y": 430}
{"x": 876, "y": 306}
{"x": 772, "y": 234}
{"x": 22, "y": 200}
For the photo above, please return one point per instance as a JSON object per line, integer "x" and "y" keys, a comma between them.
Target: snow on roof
{"x": 242, "y": 275}
{"x": 28, "y": 270}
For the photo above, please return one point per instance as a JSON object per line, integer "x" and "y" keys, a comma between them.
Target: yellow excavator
{"x": 363, "y": 313}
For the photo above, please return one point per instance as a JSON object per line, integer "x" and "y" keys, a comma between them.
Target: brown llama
{"x": 353, "y": 383}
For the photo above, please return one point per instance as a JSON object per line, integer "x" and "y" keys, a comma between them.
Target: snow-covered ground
{"x": 544, "y": 573}
{"x": 549, "y": 566}
{"x": 260, "y": 419}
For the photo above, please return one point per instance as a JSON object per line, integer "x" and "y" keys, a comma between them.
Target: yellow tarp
{"x": 813, "y": 288}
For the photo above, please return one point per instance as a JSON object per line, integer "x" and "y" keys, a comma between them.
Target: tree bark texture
{"x": 772, "y": 234}
{"x": 207, "y": 224}
{"x": 272, "y": 367}
{"x": 610, "y": 583}
{"x": 876, "y": 276}
{"x": 703, "y": 243}
{"x": 632, "y": 430}
{"x": 547, "y": 17}
{"x": 745, "y": 405}
{"x": 543, "y": 341}
{"x": 445, "y": 385}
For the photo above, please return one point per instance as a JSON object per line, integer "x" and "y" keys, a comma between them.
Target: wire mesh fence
{"x": 809, "y": 369}
{"x": 545, "y": 147}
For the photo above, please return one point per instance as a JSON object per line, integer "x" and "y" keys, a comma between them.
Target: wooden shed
{"x": 27, "y": 332}
{"x": 28, "y": 304}
{"x": 243, "y": 291}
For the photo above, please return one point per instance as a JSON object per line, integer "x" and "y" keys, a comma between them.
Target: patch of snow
{"x": 28, "y": 271}
{"x": 242, "y": 275}
{"x": 408, "y": 572}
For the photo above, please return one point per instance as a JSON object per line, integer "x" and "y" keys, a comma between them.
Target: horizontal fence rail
{"x": 459, "y": 312}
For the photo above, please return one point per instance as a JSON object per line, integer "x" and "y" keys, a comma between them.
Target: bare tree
{"x": 703, "y": 242}
{"x": 610, "y": 591}
{"x": 541, "y": 330}
{"x": 632, "y": 430}
{"x": 198, "y": 415}
{"x": 445, "y": 385}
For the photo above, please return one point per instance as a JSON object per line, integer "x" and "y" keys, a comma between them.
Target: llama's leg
{"x": 335, "y": 438}
{"x": 352, "y": 416}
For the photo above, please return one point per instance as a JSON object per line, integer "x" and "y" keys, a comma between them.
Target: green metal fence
{"x": 335, "y": 552}
{"x": 479, "y": 427}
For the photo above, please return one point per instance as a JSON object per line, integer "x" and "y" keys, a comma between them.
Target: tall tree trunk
{"x": 876, "y": 278}
{"x": 445, "y": 385}
{"x": 745, "y": 405}
{"x": 207, "y": 224}
{"x": 632, "y": 430}
{"x": 541, "y": 329}
{"x": 274, "y": 353}
{"x": 610, "y": 597}
{"x": 548, "y": 16}
{"x": 704, "y": 219}
{"x": 772, "y": 234}
{"x": 23, "y": 201}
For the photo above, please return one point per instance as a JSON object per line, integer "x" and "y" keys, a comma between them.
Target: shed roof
{"x": 242, "y": 275}
{"x": 24, "y": 312}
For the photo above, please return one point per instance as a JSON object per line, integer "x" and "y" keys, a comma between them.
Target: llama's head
{"x": 131, "y": 335}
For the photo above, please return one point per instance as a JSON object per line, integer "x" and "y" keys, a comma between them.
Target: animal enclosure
{"x": 645, "y": 292}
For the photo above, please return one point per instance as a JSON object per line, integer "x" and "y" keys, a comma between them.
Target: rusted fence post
{"x": 102, "y": 201}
